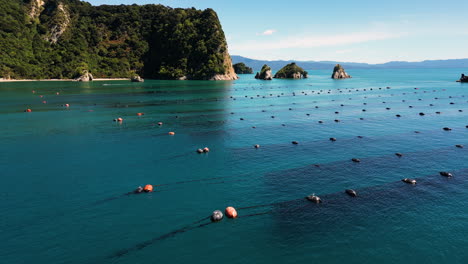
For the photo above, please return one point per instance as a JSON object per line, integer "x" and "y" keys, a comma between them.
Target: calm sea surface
{"x": 64, "y": 172}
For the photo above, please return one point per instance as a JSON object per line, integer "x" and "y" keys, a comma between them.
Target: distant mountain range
{"x": 319, "y": 65}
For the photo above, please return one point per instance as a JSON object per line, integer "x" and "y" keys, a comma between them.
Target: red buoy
{"x": 28, "y": 110}
{"x": 231, "y": 212}
{"x": 148, "y": 188}
{"x": 140, "y": 114}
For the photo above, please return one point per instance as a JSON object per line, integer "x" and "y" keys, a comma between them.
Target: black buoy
{"x": 138, "y": 190}
{"x": 256, "y": 146}
{"x": 355, "y": 160}
{"x": 351, "y": 193}
{"x": 217, "y": 216}
{"x": 332, "y": 139}
{"x": 409, "y": 181}
{"x": 445, "y": 174}
{"x": 313, "y": 198}
{"x": 399, "y": 155}
{"x": 295, "y": 143}
{"x": 422, "y": 114}
{"x": 447, "y": 129}
{"x": 398, "y": 115}
{"x": 459, "y": 146}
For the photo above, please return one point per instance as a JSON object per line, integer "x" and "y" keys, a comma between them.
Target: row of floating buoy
{"x": 231, "y": 212}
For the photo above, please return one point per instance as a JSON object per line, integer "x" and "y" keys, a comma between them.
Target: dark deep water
{"x": 64, "y": 171}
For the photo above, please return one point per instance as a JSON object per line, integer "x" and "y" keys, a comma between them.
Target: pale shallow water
{"x": 65, "y": 171}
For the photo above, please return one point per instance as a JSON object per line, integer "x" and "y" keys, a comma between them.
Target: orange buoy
{"x": 119, "y": 119}
{"x": 231, "y": 212}
{"x": 140, "y": 114}
{"x": 171, "y": 133}
{"x": 28, "y": 110}
{"x": 206, "y": 150}
{"x": 148, "y": 188}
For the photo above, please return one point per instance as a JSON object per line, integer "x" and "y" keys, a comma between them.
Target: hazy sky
{"x": 341, "y": 30}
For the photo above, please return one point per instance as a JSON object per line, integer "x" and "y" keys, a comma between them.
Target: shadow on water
{"x": 296, "y": 217}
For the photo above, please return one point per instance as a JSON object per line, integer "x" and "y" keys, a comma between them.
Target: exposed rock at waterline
{"x": 463, "y": 78}
{"x": 339, "y": 73}
{"x": 136, "y": 78}
{"x": 265, "y": 73}
{"x": 85, "y": 77}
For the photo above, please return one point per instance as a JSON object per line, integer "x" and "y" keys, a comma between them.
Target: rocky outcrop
{"x": 291, "y": 71}
{"x": 35, "y": 9}
{"x": 241, "y": 68}
{"x": 265, "y": 73}
{"x": 339, "y": 73}
{"x": 463, "y": 79}
{"x": 136, "y": 78}
{"x": 62, "y": 17}
{"x": 85, "y": 77}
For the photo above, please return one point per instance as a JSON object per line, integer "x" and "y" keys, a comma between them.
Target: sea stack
{"x": 264, "y": 74}
{"x": 339, "y": 73}
{"x": 463, "y": 78}
{"x": 291, "y": 71}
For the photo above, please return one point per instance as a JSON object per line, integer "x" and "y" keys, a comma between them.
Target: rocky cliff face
{"x": 35, "y": 8}
{"x": 339, "y": 73}
{"x": 265, "y": 73}
{"x": 229, "y": 74}
{"x": 61, "y": 23}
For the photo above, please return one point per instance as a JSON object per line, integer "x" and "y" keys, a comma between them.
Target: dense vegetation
{"x": 291, "y": 71}
{"x": 63, "y": 38}
{"x": 241, "y": 68}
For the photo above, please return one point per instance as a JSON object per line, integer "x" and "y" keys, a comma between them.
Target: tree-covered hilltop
{"x": 62, "y": 38}
{"x": 241, "y": 68}
{"x": 291, "y": 71}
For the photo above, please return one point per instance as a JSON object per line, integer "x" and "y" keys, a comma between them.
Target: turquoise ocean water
{"x": 65, "y": 171}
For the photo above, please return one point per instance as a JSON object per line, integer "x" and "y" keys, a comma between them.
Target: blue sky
{"x": 340, "y": 30}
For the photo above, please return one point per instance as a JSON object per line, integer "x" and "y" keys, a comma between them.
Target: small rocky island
{"x": 463, "y": 78}
{"x": 339, "y": 73}
{"x": 265, "y": 73}
{"x": 136, "y": 78}
{"x": 85, "y": 76}
{"x": 241, "y": 68}
{"x": 291, "y": 71}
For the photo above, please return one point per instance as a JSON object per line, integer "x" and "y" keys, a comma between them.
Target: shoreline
{"x": 62, "y": 80}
